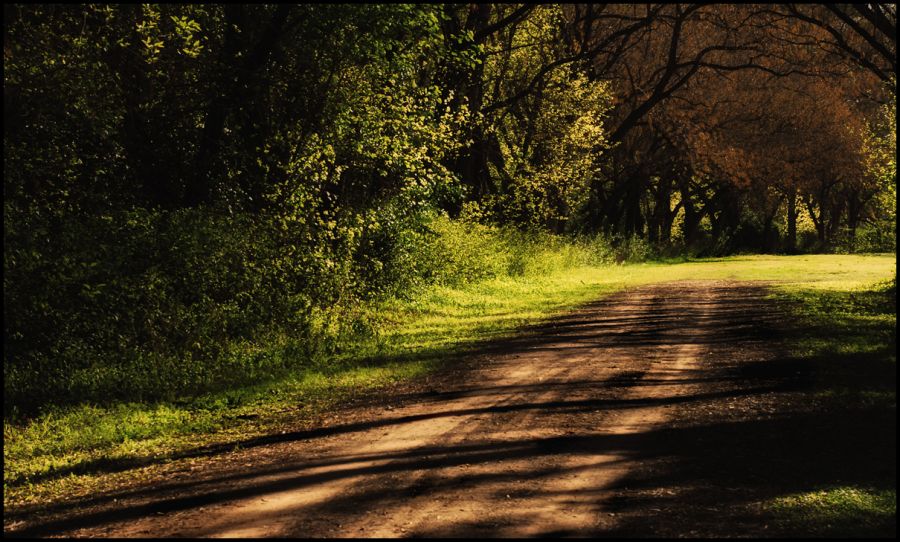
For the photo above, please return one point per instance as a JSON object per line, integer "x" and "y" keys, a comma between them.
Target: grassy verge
{"x": 74, "y": 451}
{"x": 850, "y": 343}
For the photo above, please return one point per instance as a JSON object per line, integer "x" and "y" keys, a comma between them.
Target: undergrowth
{"x": 68, "y": 449}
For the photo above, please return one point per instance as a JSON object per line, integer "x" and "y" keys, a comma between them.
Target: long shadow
{"x": 119, "y": 465}
{"x": 764, "y": 458}
{"x": 591, "y": 325}
{"x": 545, "y": 407}
{"x": 709, "y": 479}
{"x": 640, "y": 445}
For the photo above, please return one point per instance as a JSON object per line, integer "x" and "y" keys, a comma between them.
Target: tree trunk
{"x": 157, "y": 185}
{"x": 467, "y": 85}
{"x": 237, "y": 86}
{"x": 767, "y": 241}
{"x": 854, "y": 209}
{"x": 818, "y": 221}
{"x": 791, "y": 241}
{"x": 691, "y": 219}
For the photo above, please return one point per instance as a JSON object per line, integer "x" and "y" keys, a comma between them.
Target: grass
{"x": 850, "y": 340}
{"x": 839, "y": 511}
{"x": 71, "y": 451}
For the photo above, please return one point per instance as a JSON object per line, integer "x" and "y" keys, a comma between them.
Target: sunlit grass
{"x": 838, "y": 511}
{"x": 412, "y": 338}
{"x": 446, "y": 315}
{"x": 851, "y": 337}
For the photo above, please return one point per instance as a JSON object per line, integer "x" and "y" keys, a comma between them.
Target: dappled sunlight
{"x": 413, "y": 345}
{"x": 502, "y": 437}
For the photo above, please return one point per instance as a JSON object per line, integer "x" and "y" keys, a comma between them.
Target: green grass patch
{"x": 839, "y": 511}
{"x": 850, "y": 339}
{"x": 65, "y": 450}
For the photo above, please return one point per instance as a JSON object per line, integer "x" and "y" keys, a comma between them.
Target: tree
{"x": 865, "y": 34}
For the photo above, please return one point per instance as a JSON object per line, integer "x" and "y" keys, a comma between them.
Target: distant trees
{"x": 696, "y": 85}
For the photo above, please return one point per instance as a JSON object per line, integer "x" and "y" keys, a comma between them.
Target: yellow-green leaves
{"x": 148, "y": 29}
{"x": 186, "y": 30}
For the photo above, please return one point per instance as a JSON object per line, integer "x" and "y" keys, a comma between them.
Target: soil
{"x": 666, "y": 410}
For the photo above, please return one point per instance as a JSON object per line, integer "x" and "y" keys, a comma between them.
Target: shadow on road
{"x": 705, "y": 474}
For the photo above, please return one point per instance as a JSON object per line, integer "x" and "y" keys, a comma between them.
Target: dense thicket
{"x": 196, "y": 195}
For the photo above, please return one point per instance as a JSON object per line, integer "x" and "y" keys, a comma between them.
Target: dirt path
{"x": 596, "y": 422}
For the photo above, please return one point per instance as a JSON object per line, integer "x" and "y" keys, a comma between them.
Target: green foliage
{"x": 199, "y": 196}
{"x": 552, "y": 145}
{"x": 186, "y": 183}
{"x": 879, "y": 233}
{"x": 138, "y": 304}
{"x": 159, "y": 305}
{"x": 467, "y": 251}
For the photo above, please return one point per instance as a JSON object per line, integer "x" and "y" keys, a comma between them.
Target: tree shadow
{"x": 703, "y": 475}
{"x": 593, "y": 325}
{"x": 713, "y": 468}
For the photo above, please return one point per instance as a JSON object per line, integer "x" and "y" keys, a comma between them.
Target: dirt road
{"x": 641, "y": 414}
